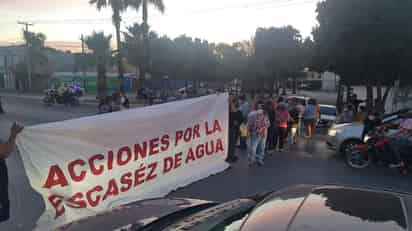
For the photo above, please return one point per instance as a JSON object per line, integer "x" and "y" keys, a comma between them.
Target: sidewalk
{"x": 84, "y": 100}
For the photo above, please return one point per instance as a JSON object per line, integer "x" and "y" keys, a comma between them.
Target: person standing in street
{"x": 244, "y": 106}
{"x": 270, "y": 140}
{"x": 258, "y": 123}
{"x": 401, "y": 141}
{"x": 235, "y": 120}
{"x": 5, "y": 150}
{"x": 281, "y": 124}
{"x": 310, "y": 117}
{"x": 294, "y": 120}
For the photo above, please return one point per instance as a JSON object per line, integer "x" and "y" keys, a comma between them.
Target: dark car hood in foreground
{"x": 137, "y": 214}
{"x": 325, "y": 208}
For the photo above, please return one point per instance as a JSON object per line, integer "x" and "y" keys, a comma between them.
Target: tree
{"x": 35, "y": 55}
{"x": 232, "y": 61}
{"x": 369, "y": 47}
{"x": 99, "y": 44}
{"x": 279, "y": 51}
{"x": 137, "y": 4}
{"x": 117, "y": 6}
{"x": 133, "y": 46}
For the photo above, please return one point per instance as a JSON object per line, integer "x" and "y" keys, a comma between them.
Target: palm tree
{"x": 137, "y": 4}
{"x": 133, "y": 45}
{"x": 99, "y": 44}
{"x": 118, "y": 6}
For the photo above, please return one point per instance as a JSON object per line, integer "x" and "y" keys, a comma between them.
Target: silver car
{"x": 341, "y": 137}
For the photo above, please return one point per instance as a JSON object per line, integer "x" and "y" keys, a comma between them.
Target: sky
{"x": 228, "y": 21}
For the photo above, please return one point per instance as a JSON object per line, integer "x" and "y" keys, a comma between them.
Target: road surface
{"x": 305, "y": 163}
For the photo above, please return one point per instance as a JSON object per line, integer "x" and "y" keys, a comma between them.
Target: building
{"x": 10, "y": 56}
{"x": 42, "y": 70}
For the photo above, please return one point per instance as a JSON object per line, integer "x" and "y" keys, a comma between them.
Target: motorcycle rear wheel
{"x": 358, "y": 159}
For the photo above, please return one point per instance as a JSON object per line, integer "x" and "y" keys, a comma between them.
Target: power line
{"x": 271, "y": 4}
{"x": 26, "y": 25}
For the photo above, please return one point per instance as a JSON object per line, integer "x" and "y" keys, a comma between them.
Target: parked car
{"x": 328, "y": 114}
{"x": 341, "y": 137}
{"x": 304, "y": 207}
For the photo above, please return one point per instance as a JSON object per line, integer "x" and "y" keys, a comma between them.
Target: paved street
{"x": 305, "y": 163}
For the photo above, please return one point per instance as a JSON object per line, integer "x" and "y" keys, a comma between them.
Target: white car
{"x": 328, "y": 114}
{"x": 301, "y": 99}
{"x": 342, "y": 136}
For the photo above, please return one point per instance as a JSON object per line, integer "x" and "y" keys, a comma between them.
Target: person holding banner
{"x": 235, "y": 120}
{"x": 5, "y": 151}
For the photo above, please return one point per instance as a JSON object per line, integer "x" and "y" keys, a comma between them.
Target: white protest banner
{"x": 85, "y": 166}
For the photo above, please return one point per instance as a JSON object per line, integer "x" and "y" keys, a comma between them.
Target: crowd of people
{"x": 265, "y": 125}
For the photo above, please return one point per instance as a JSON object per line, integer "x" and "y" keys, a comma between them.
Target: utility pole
{"x": 26, "y": 29}
{"x": 83, "y": 65}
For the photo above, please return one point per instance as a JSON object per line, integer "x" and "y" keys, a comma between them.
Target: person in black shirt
{"x": 235, "y": 120}
{"x": 294, "y": 120}
{"x": 270, "y": 140}
{"x": 5, "y": 151}
{"x": 370, "y": 123}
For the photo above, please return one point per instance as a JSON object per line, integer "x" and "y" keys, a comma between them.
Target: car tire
{"x": 345, "y": 147}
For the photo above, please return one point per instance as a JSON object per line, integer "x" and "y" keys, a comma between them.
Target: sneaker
{"x": 260, "y": 163}
{"x": 281, "y": 150}
{"x": 251, "y": 163}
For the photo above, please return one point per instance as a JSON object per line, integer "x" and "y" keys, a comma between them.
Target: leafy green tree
{"x": 118, "y": 7}
{"x": 99, "y": 44}
{"x": 232, "y": 61}
{"x": 279, "y": 52}
{"x": 133, "y": 45}
{"x": 366, "y": 42}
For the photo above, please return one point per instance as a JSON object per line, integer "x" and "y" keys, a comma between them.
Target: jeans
{"x": 270, "y": 140}
{"x": 243, "y": 143}
{"x": 280, "y": 136}
{"x": 233, "y": 137}
{"x": 257, "y": 148}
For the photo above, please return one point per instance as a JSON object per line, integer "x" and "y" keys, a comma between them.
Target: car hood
{"x": 347, "y": 125}
{"x": 327, "y": 117}
{"x": 136, "y": 214}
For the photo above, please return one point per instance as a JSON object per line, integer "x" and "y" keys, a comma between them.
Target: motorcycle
{"x": 53, "y": 97}
{"x": 376, "y": 149}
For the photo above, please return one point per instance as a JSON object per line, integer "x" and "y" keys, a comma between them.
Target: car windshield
{"x": 327, "y": 111}
{"x": 227, "y": 216}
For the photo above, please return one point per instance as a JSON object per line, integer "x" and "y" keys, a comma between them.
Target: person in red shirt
{"x": 282, "y": 118}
